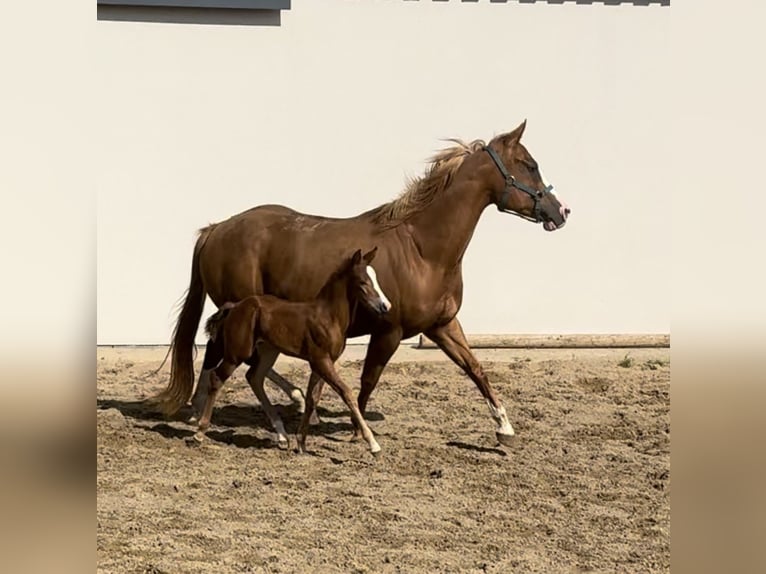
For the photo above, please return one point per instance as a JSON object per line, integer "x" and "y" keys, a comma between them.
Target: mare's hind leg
{"x": 217, "y": 378}
{"x": 451, "y": 340}
{"x": 324, "y": 367}
{"x": 213, "y": 357}
{"x": 313, "y": 394}
{"x": 266, "y": 358}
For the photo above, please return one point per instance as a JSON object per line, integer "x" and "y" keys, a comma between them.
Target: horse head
{"x": 365, "y": 282}
{"x": 517, "y": 185}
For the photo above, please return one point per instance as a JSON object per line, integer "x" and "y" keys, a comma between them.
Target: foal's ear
{"x": 357, "y": 257}
{"x": 514, "y": 137}
{"x": 370, "y": 255}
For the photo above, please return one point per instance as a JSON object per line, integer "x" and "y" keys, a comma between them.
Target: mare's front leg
{"x": 266, "y": 357}
{"x": 381, "y": 348}
{"x": 325, "y": 368}
{"x": 451, "y": 340}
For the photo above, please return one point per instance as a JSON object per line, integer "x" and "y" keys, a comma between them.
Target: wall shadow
{"x": 202, "y": 16}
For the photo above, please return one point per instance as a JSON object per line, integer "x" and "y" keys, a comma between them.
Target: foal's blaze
{"x": 385, "y": 304}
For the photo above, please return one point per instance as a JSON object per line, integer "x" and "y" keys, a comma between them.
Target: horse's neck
{"x": 335, "y": 296}
{"x": 443, "y": 230}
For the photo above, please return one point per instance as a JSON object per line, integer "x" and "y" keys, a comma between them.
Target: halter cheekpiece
{"x": 510, "y": 182}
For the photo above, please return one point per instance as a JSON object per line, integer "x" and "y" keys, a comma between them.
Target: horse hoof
{"x": 195, "y": 440}
{"x": 283, "y": 444}
{"x": 505, "y": 439}
{"x": 298, "y": 400}
{"x": 192, "y": 420}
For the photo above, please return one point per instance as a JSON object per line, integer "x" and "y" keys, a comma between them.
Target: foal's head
{"x": 364, "y": 282}
{"x": 518, "y": 185}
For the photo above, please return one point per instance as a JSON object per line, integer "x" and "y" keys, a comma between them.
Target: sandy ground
{"x": 584, "y": 488}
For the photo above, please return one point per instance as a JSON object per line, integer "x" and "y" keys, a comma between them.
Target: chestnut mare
{"x": 314, "y": 331}
{"x": 421, "y": 236}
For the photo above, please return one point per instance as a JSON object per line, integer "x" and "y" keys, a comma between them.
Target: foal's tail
{"x": 181, "y": 383}
{"x": 215, "y": 321}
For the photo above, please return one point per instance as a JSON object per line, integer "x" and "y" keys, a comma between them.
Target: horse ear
{"x": 370, "y": 255}
{"x": 357, "y": 257}
{"x": 513, "y": 137}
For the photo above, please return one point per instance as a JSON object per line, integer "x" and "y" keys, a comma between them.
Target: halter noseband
{"x": 510, "y": 182}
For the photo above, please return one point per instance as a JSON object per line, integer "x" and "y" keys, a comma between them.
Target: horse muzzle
{"x": 383, "y": 307}
{"x": 549, "y": 224}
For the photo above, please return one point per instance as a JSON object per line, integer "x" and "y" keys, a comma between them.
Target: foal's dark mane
{"x": 340, "y": 274}
{"x": 421, "y": 191}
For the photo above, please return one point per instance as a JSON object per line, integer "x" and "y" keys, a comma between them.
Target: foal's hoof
{"x": 195, "y": 440}
{"x": 283, "y": 443}
{"x": 298, "y": 400}
{"x": 505, "y": 439}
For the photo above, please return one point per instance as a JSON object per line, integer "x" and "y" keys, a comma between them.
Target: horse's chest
{"x": 432, "y": 300}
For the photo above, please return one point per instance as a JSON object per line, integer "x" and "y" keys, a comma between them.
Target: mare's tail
{"x": 181, "y": 384}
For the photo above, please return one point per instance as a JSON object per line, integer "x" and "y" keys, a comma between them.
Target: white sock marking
{"x": 504, "y": 425}
{"x": 374, "y": 278}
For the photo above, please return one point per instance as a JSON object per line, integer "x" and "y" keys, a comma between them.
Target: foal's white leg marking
{"x": 504, "y": 426}
{"x": 200, "y": 395}
{"x": 374, "y": 278}
{"x": 295, "y": 394}
{"x": 255, "y": 378}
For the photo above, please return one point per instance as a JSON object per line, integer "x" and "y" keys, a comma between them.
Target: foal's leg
{"x": 267, "y": 356}
{"x": 217, "y": 378}
{"x": 324, "y": 367}
{"x": 211, "y": 360}
{"x": 451, "y": 340}
{"x": 295, "y": 394}
{"x": 380, "y": 350}
{"x": 313, "y": 393}
{"x": 316, "y": 395}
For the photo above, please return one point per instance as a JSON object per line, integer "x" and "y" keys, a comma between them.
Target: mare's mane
{"x": 421, "y": 191}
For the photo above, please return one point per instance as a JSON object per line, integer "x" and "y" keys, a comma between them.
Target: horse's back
{"x": 276, "y": 250}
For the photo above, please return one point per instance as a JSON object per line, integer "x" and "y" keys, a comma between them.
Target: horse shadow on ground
{"x": 476, "y": 448}
{"x": 234, "y": 416}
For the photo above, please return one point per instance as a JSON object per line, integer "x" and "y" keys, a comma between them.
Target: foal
{"x": 314, "y": 331}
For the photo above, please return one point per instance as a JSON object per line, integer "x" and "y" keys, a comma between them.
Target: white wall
{"x": 198, "y": 122}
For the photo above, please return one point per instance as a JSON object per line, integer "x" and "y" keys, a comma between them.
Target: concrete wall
{"x": 199, "y": 121}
